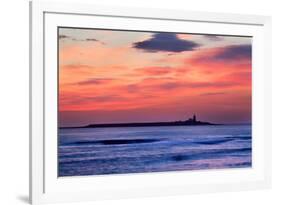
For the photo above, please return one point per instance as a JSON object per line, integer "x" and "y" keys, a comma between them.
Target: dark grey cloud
{"x": 213, "y": 37}
{"x": 227, "y": 54}
{"x": 91, "y": 39}
{"x": 168, "y": 42}
{"x": 63, "y": 36}
{"x": 234, "y": 52}
{"x": 95, "y": 81}
{"x": 94, "y": 40}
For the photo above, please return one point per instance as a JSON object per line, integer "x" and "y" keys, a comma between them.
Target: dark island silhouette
{"x": 190, "y": 122}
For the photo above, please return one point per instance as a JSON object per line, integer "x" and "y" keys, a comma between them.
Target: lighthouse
{"x": 194, "y": 118}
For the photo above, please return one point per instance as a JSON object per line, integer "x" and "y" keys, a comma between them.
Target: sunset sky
{"x": 108, "y": 76}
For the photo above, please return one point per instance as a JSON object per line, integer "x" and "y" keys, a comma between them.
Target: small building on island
{"x": 193, "y": 119}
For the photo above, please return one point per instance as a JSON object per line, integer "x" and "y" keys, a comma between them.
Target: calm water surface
{"x": 95, "y": 151}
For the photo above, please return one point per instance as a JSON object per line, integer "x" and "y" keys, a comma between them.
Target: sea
{"x": 101, "y": 151}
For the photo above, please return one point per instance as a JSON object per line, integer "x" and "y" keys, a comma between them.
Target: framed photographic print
{"x": 131, "y": 102}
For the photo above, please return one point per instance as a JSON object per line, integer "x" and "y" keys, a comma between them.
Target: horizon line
{"x": 138, "y": 123}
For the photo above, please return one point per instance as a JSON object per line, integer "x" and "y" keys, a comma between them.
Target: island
{"x": 190, "y": 122}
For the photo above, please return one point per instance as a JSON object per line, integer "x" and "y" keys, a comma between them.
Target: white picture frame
{"x": 46, "y": 187}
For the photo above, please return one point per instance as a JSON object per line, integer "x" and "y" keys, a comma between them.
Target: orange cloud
{"x": 152, "y": 71}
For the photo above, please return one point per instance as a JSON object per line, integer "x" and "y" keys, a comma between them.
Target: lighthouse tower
{"x": 194, "y": 118}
